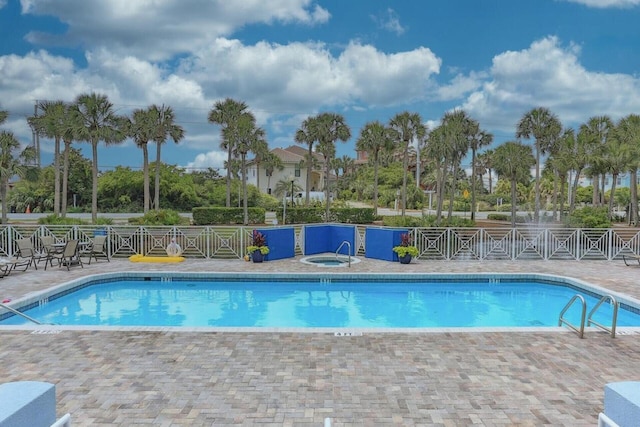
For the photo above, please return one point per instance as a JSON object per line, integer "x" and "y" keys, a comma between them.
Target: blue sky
{"x": 288, "y": 59}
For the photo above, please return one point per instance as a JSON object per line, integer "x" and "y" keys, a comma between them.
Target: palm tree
{"x": 3, "y": 116}
{"x": 485, "y": 165}
{"x": 226, "y": 114}
{"x": 165, "y": 128}
{"x": 331, "y": 127}
{"x": 513, "y": 160}
{"x": 307, "y": 134}
{"x": 283, "y": 187}
{"x": 436, "y": 150}
{"x": 260, "y": 154}
{"x": 545, "y": 127}
{"x": 596, "y": 133}
{"x": 374, "y": 138}
{"x": 478, "y": 140}
{"x": 271, "y": 162}
{"x": 71, "y": 127}
{"x": 142, "y": 128}
{"x": 12, "y": 165}
{"x": 407, "y": 127}
{"x": 99, "y": 123}
{"x": 249, "y": 138}
{"x": 628, "y": 131}
{"x": 620, "y": 157}
{"x": 457, "y": 129}
{"x": 561, "y": 161}
{"x": 51, "y": 125}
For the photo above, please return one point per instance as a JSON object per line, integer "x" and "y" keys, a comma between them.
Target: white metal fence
{"x": 433, "y": 243}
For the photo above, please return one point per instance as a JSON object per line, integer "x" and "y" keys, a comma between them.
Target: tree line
{"x": 598, "y": 148}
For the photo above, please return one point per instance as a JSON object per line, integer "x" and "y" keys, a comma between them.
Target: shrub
{"x": 589, "y": 217}
{"x": 58, "y": 220}
{"x": 161, "y": 217}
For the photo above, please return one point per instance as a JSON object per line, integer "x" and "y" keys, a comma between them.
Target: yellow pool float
{"x": 147, "y": 258}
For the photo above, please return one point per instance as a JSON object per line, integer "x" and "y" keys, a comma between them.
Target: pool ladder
{"x": 21, "y": 314}
{"x": 590, "y": 321}
{"x": 344, "y": 242}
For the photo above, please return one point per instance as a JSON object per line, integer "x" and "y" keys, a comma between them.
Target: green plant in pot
{"x": 258, "y": 248}
{"x": 405, "y": 249}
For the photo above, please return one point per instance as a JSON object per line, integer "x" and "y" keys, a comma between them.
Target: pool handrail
{"x": 562, "y": 320}
{"x": 614, "y": 319}
{"x": 348, "y": 249}
{"x": 19, "y": 313}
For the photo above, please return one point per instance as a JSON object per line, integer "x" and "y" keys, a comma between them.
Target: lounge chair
{"x": 97, "y": 249}
{"x": 68, "y": 257}
{"x": 7, "y": 265}
{"x": 49, "y": 247}
{"x": 26, "y": 251}
{"x": 632, "y": 256}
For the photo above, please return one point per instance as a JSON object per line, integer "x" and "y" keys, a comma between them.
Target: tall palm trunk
{"x": 4, "y": 183}
{"x": 228, "y": 177}
{"x": 309, "y": 164}
{"x": 574, "y": 189}
{"x": 536, "y": 213}
{"x": 65, "y": 177}
{"x": 56, "y": 177}
{"x": 563, "y": 181}
{"x": 633, "y": 210}
{"x": 554, "y": 198}
{"x": 514, "y": 202}
{"x": 94, "y": 184}
{"x": 375, "y": 184}
{"x": 453, "y": 192}
{"x": 405, "y": 166}
{"x": 614, "y": 178}
{"x": 441, "y": 191}
{"x": 473, "y": 184}
{"x": 245, "y": 206}
{"x": 145, "y": 174}
{"x": 326, "y": 186}
{"x": 156, "y": 188}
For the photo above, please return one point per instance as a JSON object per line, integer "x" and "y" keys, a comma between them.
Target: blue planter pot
{"x": 405, "y": 259}
{"x": 257, "y": 256}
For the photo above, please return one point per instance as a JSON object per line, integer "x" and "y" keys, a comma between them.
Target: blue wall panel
{"x": 341, "y": 233}
{"x": 380, "y": 243}
{"x": 317, "y": 239}
{"x": 320, "y": 239}
{"x": 281, "y": 242}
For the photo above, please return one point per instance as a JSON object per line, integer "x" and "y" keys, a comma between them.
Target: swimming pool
{"x": 315, "y": 301}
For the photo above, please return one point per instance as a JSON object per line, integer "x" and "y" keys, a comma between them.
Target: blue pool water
{"x": 311, "y": 303}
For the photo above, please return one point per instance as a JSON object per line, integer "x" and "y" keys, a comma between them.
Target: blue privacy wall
{"x": 327, "y": 238}
{"x": 380, "y": 243}
{"x": 281, "y": 242}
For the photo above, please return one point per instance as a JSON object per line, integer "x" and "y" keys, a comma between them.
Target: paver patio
{"x": 176, "y": 378}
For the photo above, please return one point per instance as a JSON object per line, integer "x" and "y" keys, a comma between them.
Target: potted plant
{"x": 258, "y": 248}
{"x": 405, "y": 249}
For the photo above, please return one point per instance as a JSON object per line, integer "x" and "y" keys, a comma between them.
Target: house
{"x": 293, "y": 160}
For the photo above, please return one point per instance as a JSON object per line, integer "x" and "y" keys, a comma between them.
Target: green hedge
{"x": 316, "y": 215}
{"x": 225, "y": 216}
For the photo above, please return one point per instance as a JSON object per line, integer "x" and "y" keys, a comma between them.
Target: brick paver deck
{"x": 178, "y": 378}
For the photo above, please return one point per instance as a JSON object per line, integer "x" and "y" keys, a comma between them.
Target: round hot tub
{"x": 329, "y": 260}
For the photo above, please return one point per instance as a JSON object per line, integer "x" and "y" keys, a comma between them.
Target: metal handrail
{"x": 562, "y": 320}
{"x": 348, "y": 247}
{"x": 19, "y": 313}
{"x": 614, "y": 319}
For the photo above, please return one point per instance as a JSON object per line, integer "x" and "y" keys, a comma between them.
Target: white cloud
{"x": 603, "y": 4}
{"x": 550, "y": 75}
{"x": 296, "y": 76}
{"x": 159, "y": 29}
{"x": 389, "y": 21}
{"x": 211, "y": 159}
